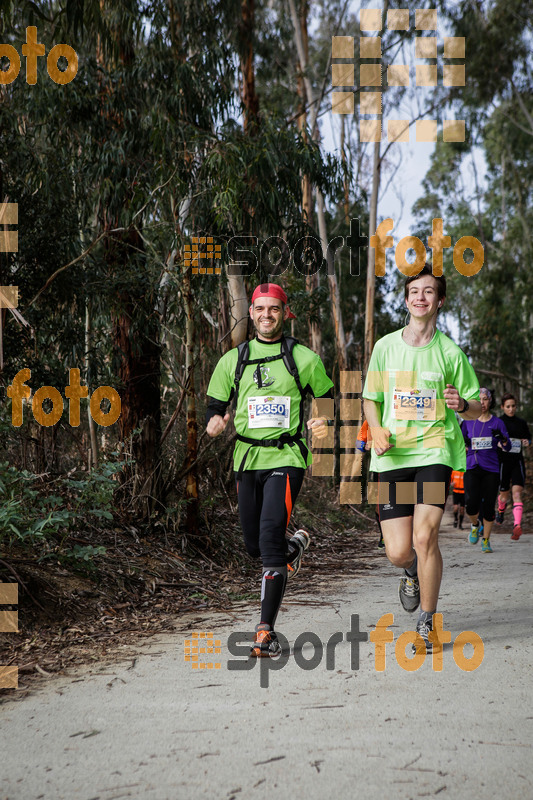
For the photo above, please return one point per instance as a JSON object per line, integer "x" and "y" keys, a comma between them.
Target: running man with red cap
{"x": 270, "y": 377}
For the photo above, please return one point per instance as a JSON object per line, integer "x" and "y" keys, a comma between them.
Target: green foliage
{"x": 483, "y": 188}
{"x": 32, "y": 516}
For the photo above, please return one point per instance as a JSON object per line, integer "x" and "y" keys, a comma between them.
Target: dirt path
{"x": 157, "y": 729}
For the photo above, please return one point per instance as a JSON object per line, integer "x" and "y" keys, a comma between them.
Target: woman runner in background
{"x": 482, "y": 437}
{"x": 512, "y": 467}
{"x": 458, "y": 488}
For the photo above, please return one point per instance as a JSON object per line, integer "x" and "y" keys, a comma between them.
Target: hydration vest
{"x": 243, "y": 360}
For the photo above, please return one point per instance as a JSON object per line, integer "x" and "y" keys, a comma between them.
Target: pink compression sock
{"x": 517, "y": 513}
{"x": 501, "y": 506}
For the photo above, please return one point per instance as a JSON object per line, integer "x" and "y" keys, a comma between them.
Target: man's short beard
{"x": 272, "y": 333}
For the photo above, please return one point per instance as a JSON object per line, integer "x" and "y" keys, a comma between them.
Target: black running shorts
{"x": 458, "y": 498}
{"x": 512, "y": 473}
{"x": 481, "y": 491}
{"x": 412, "y": 486}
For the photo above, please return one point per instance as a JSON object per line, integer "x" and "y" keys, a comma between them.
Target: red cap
{"x": 272, "y": 290}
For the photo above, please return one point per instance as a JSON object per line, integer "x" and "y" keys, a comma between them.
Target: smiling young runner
{"x": 512, "y": 467}
{"x": 416, "y": 380}
{"x": 270, "y": 376}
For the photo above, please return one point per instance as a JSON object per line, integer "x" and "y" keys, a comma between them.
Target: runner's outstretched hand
{"x": 319, "y": 425}
{"x": 217, "y": 424}
{"x": 380, "y": 440}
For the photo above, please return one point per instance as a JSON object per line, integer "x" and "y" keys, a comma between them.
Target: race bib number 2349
{"x": 415, "y": 404}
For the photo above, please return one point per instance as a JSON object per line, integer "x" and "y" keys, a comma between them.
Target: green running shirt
{"x": 274, "y": 409}
{"x": 409, "y": 383}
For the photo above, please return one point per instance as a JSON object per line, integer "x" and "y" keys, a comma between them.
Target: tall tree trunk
{"x": 88, "y": 375}
{"x": 340, "y": 340}
{"x": 346, "y": 199}
{"x": 250, "y": 99}
{"x": 238, "y": 301}
{"x": 191, "y": 486}
{"x": 136, "y": 346}
{"x": 307, "y": 189}
{"x": 238, "y": 309}
{"x": 371, "y": 261}
{"x": 135, "y": 336}
{"x": 311, "y": 281}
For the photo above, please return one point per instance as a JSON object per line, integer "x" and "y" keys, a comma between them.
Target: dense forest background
{"x": 207, "y": 118}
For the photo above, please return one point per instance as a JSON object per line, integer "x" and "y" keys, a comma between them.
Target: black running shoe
{"x": 499, "y": 518}
{"x": 455, "y": 523}
{"x": 300, "y": 541}
{"x": 423, "y": 628}
{"x": 266, "y": 644}
{"x": 409, "y": 592}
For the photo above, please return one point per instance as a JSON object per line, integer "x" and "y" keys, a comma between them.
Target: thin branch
{"x": 174, "y": 416}
{"x": 157, "y": 188}
{"x": 19, "y": 579}
{"x": 71, "y": 263}
{"x": 495, "y": 374}
{"x": 525, "y": 112}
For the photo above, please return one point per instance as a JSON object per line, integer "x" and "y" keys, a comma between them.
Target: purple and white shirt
{"x": 481, "y": 439}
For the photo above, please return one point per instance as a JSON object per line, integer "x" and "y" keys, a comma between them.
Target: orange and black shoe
{"x": 298, "y": 543}
{"x": 517, "y": 532}
{"x": 266, "y": 644}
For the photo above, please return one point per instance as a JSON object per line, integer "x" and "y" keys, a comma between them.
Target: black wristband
{"x": 465, "y": 407}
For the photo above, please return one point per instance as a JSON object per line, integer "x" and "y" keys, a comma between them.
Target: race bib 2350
{"x": 269, "y": 412}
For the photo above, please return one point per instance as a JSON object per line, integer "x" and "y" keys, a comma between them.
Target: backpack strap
{"x": 287, "y": 346}
{"x": 243, "y": 351}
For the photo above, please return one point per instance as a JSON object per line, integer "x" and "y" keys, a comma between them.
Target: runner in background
{"x": 512, "y": 467}
{"x": 417, "y": 378}
{"x": 270, "y": 377}
{"x": 362, "y": 444}
{"x": 458, "y": 489}
{"x": 482, "y": 437}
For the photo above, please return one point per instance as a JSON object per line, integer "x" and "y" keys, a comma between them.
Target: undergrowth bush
{"x": 40, "y": 515}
